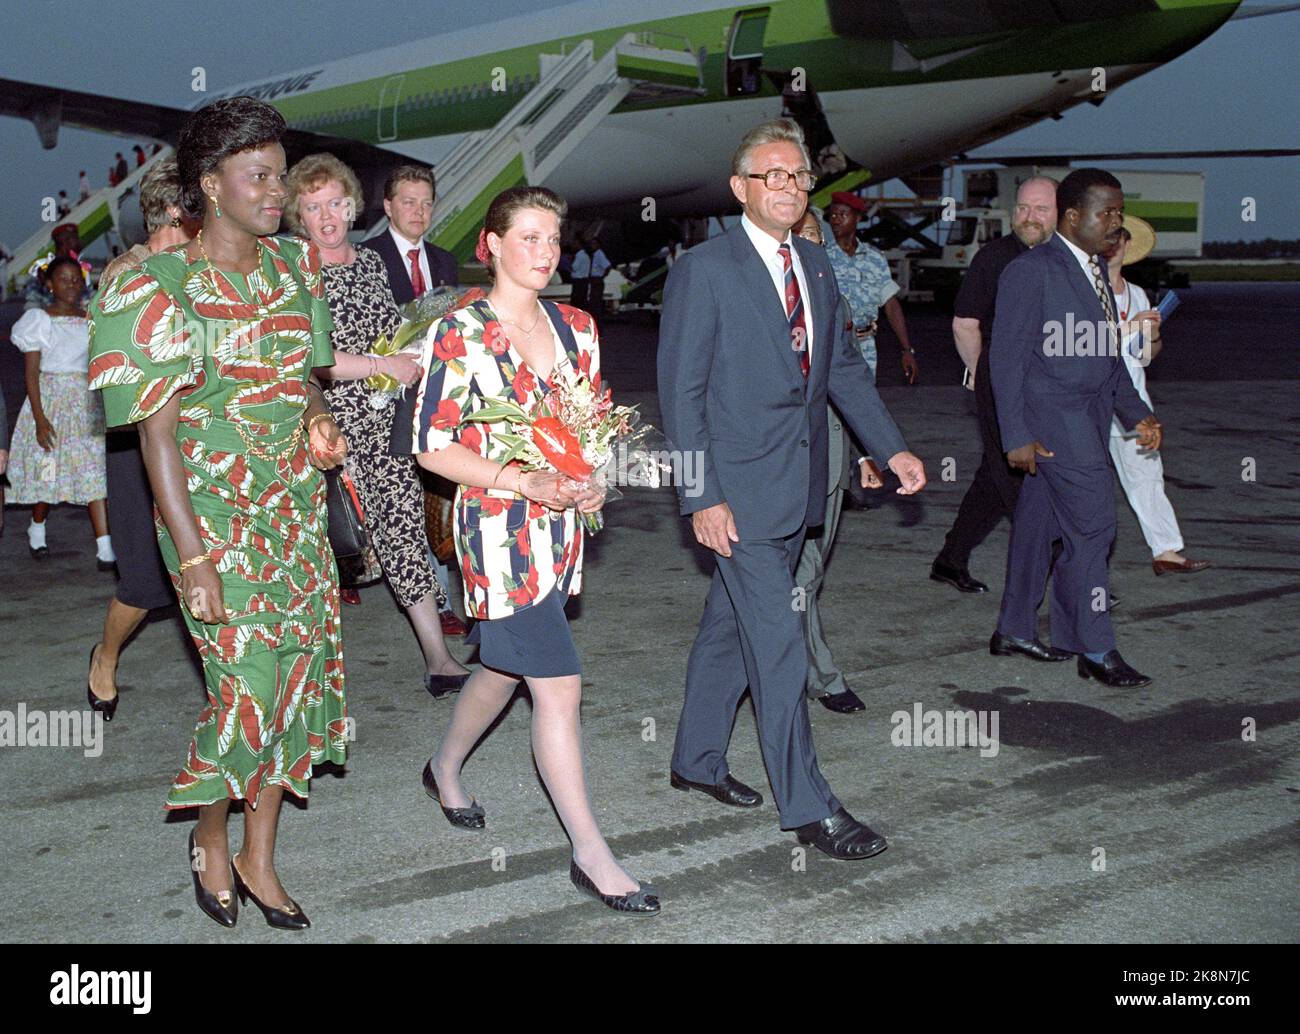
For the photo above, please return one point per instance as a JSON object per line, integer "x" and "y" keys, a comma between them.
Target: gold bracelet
{"x": 193, "y": 561}
{"x": 319, "y": 416}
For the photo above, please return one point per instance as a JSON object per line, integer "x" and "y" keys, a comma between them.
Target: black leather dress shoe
{"x": 440, "y": 686}
{"x": 290, "y": 916}
{"x": 729, "y": 791}
{"x": 842, "y": 703}
{"x": 842, "y": 836}
{"x": 105, "y": 565}
{"x": 1006, "y": 645}
{"x": 958, "y": 577}
{"x": 641, "y": 902}
{"x": 108, "y": 708}
{"x": 472, "y": 817}
{"x": 1112, "y": 671}
{"x": 221, "y": 906}
{"x": 40, "y": 552}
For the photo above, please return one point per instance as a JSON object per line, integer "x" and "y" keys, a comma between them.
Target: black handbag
{"x": 347, "y": 523}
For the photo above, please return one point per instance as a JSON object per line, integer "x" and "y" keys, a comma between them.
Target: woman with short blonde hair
{"x": 310, "y": 175}
{"x": 324, "y": 199}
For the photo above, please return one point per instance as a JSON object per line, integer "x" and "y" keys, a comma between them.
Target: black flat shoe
{"x": 210, "y": 904}
{"x": 105, "y": 565}
{"x": 291, "y": 917}
{"x": 842, "y": 703}
{"x": 958, "y": 577}
{"x": 729, "y": 791}
{"x": 40, "y": 552}
{"x": 842, "y": 836}
{"x": 642, "y": 902}
{"x": 440, "y": 686}
{"x": 107, "y": 708}
{"x": 472, "y": 817}
{"x": 1112, "y": 671}
{"x": 1006, "y": 645}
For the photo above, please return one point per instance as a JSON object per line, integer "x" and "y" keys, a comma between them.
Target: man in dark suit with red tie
{"x": 414, "y": 265}
{"x": 751, "y": 344}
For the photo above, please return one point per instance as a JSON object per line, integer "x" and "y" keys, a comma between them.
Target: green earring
{"x": 215, "y": 202}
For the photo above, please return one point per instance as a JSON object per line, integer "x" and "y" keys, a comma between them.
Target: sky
{"x": 1236, "y": 90}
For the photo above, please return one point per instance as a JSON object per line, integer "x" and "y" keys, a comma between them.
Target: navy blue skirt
{"x": 534, "y": 641}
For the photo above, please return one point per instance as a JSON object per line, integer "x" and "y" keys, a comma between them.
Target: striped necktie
{"x": 794, "y": 309}
{"x": 1100, "y": 285}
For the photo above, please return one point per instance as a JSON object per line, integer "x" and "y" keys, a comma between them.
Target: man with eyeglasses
{"x": 751, "y": 344}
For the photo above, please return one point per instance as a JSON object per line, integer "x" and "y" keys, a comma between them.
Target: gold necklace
{"x": 522, "y": 328}
{"x": 262, "y": 310}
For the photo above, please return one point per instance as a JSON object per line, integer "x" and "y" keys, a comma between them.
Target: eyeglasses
{"x": 776, "y": 179}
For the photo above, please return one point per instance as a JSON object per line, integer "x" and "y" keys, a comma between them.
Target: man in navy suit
{"x": 1058, "y": 380}
{"x": 750, "y": 346}
{"x": 414, "y": 265}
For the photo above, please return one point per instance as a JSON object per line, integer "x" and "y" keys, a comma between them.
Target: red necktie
{"x": 794, "y": 310}
{"x": 417, "y": 278}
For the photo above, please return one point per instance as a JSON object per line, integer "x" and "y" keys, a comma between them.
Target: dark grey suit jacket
{"x": 1044, "y": 393}
{"x": 443, "y": 268}
{"x": 731, "y": 392}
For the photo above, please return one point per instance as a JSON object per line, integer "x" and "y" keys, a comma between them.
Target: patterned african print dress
{"x": 239, "y": 350}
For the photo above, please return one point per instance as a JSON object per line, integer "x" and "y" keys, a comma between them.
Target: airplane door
{"x": 745, "y": 52}
{"x": 386, "y": 129}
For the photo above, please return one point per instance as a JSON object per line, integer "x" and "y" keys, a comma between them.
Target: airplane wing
{"x": 49, "y": 107}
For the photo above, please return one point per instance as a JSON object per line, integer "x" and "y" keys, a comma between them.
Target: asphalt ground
{"x": 1167, "y": 814}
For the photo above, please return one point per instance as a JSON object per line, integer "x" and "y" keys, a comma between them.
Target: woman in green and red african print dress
{"x": 210, "y": 347}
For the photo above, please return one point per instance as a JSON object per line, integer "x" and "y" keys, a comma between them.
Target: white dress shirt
{"x": 1085, "y": 261}
{"x": 403, "y": 250}
{"x": 768, "y": 250}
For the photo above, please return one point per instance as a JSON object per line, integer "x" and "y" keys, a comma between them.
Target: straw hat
{"x": 1144, "y": 239}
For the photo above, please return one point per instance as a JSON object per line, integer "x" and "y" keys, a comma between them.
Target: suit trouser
{"x": 750, "y": 635}
{"x": 996, "y": 488}
{"x": 1142, "y": 476}
{"x": 824, "y": 675}
{"x": 1077, "y": 505}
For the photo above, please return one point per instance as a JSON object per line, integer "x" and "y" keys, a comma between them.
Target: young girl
{"x": 58, "y": 446}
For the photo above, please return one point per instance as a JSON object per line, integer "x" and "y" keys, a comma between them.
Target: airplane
{"x": 883, "y": 88}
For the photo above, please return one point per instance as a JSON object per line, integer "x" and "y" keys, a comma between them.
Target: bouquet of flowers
{"x": 417, "y": 317}
{"x": 577, "y": 431}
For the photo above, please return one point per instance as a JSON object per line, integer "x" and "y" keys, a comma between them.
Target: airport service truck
{"x": 1172, "y": 202}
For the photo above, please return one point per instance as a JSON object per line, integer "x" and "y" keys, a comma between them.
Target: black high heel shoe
{"x": 472, "y": 817}
{"x": 209, "y": 903}
{"x": 107, "y": 708}
{"x": 291, "y": 917}
{"x": 642, "y": 902}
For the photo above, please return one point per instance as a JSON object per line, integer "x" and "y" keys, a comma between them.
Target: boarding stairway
{"x": 575, "y": 92}
{"x": 94, "y": 217}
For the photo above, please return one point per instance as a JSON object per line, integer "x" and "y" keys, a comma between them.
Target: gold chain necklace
{"x": 522, "y": 329}
{"x": 262, "y": 311}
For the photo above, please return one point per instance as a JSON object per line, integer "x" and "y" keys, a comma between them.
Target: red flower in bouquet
{"x": 449, "y": 345}
{"x": 560, "y": 448}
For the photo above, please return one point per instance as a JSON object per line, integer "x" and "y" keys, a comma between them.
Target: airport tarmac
{"x": 1167, "y": 814}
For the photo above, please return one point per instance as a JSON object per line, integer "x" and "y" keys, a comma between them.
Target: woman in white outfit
{"x": 1141, "y": 473}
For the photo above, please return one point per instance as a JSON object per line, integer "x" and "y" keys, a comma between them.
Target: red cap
{"x": 64, "y": 226}
{"x": 843, "y": 197}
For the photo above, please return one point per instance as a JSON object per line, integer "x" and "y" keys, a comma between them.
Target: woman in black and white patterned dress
{"x": 323, "y": 200}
